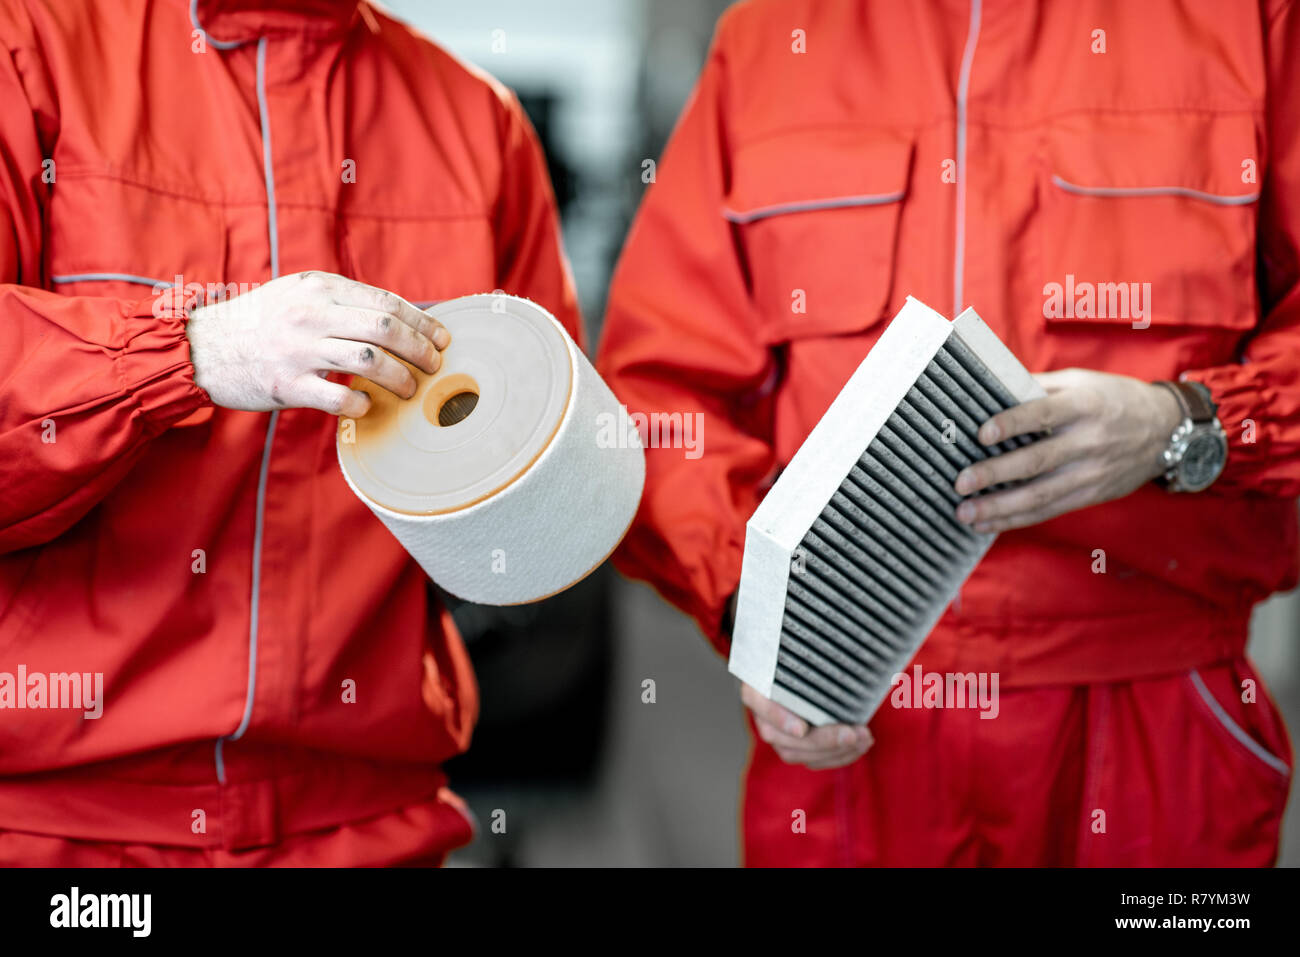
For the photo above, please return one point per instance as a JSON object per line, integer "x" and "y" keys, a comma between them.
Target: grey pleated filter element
{"x": 855, "y": 552}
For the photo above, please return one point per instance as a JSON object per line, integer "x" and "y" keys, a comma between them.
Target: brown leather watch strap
{"x": 1195, "y": 403}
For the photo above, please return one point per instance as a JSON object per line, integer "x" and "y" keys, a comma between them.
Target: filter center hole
{"x": 451, "y": 399}
{"x": 457, "y": 408}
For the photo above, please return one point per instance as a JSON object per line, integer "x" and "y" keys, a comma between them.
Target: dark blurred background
{"x": 584, "y": 770}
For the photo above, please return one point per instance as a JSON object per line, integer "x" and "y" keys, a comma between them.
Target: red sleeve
{"x": 530, "y": 254}
{"x": 681, "y": 336}
{"x": 1259, "y": 397}
{"x": 84, "y": 382}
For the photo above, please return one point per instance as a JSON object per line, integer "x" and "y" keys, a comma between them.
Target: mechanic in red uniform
{"x": 838, "y": 156}
{"x": 278, "y": 686}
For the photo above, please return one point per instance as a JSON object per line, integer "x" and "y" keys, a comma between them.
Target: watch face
{"x": 1203, "y": 461}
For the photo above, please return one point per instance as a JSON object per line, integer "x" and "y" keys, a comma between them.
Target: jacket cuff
{"x": 1243, "y": 397}
{"x": 153, "y": 361}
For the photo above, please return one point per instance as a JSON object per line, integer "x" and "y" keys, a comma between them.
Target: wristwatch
{"x": 1198, "y": 449}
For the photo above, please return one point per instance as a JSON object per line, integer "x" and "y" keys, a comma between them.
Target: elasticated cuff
{"x": 1245, "y": 400}
{"x": 154, "y": 363}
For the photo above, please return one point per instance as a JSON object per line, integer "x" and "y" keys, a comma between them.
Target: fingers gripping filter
{"x": 854, "y": 554}
{"x": 493, "y": 475}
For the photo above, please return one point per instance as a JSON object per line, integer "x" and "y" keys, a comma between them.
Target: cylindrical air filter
{"x": 513, "y": 471}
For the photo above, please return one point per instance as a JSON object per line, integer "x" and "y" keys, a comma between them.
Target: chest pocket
{"x": 108, "y": 237}
{"x": 1162, "y": 208}
{"x": 424, "y": 260}
{"x": 816, "y": 217}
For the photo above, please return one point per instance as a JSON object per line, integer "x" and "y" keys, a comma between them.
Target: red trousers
{"x": 417, "y": 836}
{"x": 1176, "y": 770}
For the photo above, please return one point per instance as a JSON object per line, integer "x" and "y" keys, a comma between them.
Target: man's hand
{"x": 271, "y": 348}
{"x": 830, "y": 746}
{"x": 1107, "y": 435}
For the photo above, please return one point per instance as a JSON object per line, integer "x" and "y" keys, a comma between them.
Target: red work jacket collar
{"x": 239, "y": 21}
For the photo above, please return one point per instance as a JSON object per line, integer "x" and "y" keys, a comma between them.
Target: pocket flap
{"x": 1211, "y": 158}
{"x": 1159, "y": 209}
{"x": 108, "y": 237}
{"x": 827, "y": 170}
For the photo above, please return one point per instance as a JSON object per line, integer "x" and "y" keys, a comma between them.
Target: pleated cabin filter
{"x": 856, "y": 551}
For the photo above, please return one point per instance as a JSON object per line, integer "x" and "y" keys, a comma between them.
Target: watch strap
{"x": 1193, "y": 399}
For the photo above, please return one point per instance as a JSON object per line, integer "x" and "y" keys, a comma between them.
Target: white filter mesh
{"x": 860, "y": 583}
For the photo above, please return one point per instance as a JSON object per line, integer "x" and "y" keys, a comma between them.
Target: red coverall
{"x": 213, "y": 564}
{"x": 838, "y": 156}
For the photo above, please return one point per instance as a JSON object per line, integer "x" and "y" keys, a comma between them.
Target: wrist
{"x": 205, "y": 347}
{"x": 1167, "y": 417}
{"x": 1197, "y": 449}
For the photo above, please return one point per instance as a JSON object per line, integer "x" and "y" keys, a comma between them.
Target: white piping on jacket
{"x": 963, "y": 90}
{"x": 109, "y": 277}
{"x": 1218, "y": 199}
{"x": 1225, "y": 719}
{"x": 268, "y": 174}
{"x": 208, "y": 37}
{"x": 812, "y": 205}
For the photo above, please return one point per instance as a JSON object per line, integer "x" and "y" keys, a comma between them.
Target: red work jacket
{"x": 270, "y": 655}
{"x": 839, "y": 156}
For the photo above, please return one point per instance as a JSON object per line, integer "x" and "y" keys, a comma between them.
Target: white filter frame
{"x": 822, "y": 464}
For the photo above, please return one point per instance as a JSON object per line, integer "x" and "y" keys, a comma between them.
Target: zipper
{"x": 254, "y": 608}
{"x": 959, "y": 245}
{"x": 963, "y": 90}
